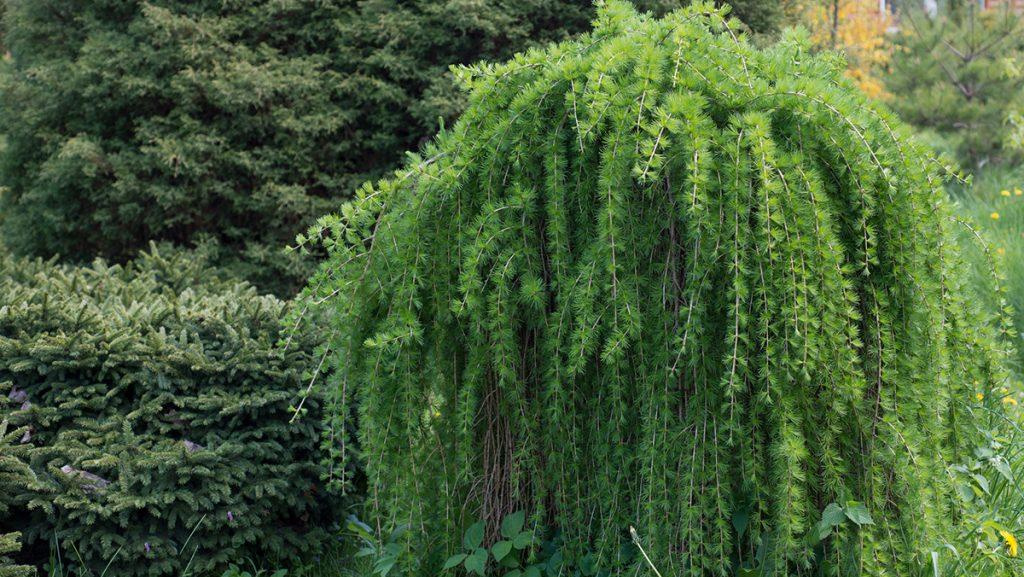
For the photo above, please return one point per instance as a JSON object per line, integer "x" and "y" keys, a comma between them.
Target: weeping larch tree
{"x": 658, "y": 277}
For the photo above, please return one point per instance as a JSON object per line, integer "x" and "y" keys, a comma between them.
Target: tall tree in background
{"x": 953, "y": 72}
{"x": 128, "y": 121}
{"x": 238, "y": 122}
{"x": 395, "y": 57}
{"x": 858, "y": 29}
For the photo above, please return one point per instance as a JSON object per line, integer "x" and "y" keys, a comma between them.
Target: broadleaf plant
{"x": 513, "y": 556}
{"x": 504, "y": 552}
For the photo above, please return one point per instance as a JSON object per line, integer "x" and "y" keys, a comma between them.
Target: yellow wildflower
{"x": 995, "y": 216}
{"x": 980, "y": 397}
{"x": 1011, "y": 542}
{"x": 1001, "y": 250}
{"x": 1004, "y": 192}
{"x": 1010, "y": 401}
{"x": 1017, "y": 192}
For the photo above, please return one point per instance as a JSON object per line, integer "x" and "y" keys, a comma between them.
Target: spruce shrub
{"x": 157, "y": 399}
{"x": 15, "y": 476}
{"x": 657, "y": 277}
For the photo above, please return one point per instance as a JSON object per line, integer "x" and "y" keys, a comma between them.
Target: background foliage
{"x": 855, "y": 28}
{"x": 658, "y": 276}
{"x": 958, "y": 75}
{"x": 157, "y": 399}
{"x": 238, "y": 122}
{"x": 132, "y": 121}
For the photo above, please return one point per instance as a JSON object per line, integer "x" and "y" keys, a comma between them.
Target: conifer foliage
{"x": 395, "y": 57}
{"x": 659, "y": 278}
{"x": 133, "y": 121}
{"x": 153, "y": 408}
{"x": 15, "y": 476}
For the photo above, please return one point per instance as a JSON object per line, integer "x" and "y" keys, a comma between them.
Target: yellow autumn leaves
{"x": 860, "y": 35}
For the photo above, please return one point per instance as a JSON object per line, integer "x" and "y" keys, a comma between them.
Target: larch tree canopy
{"x": 658, "y": 277}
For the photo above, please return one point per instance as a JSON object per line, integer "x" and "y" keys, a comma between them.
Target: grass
{"x": 994, "y": 208}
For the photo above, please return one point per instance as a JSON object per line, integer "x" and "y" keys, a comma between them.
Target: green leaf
{"x": 513, "y": 524}
{"x": 819, "y": 532}
{"x": 454, "y": 560}
{"x": 555, "y": 563}
{"x": 965, "y": 491}
{"x": 384, "y": 566}
{"x": 858, "y": 513}
{"x": 523, "y": 540}
{"x": 476, "y": 562}
{"x": 588, "y": 565}
{"x": 1003, "y": 466}
{"x": 532, "y": 571}
{"x": 739, "y": 522}
{"x": 501, "y": 549}
{"x": 474, "y": 536}
{"x": 514, "y": 573}
{"x": 981, "y": 481}
{"x": 833, "y": 515}
{"x": 510, "y": 562}
{"x": 397, "y": 533}
{"x": 359, "y": 528}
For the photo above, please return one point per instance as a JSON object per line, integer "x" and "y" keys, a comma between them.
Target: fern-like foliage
{"x": 659, "y": 277}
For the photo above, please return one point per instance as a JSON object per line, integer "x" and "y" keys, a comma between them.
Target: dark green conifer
{"x": 657, "y": 277}
{"x": 396, "y": 54}
{"x": 240, "y": 122}
{"x": 15, "y": 476}
{"x": 133, "y": 121}
{"x": 159, "y": 400}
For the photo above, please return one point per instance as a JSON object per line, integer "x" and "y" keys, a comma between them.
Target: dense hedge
{"x": 659, "y": 277}
{"x": 15, "y": 476}
{"x": 133, "y": 121}
{"x": 158, "y": 404}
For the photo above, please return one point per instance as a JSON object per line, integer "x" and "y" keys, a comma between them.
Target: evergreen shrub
{"x": 959, "y": 75}
{"x": 15, "y": 477}
{"x": 133, "y": 121}
{"x": 157, "y": 400}
{"x": 660, "y": 278}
